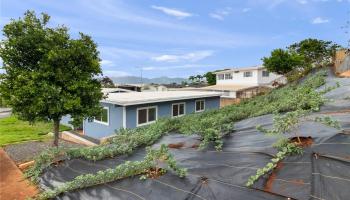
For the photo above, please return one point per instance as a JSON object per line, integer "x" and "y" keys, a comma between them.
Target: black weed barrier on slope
{"x": 322, "y": 172}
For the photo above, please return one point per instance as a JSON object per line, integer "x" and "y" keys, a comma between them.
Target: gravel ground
{"x": 26, "y": 151}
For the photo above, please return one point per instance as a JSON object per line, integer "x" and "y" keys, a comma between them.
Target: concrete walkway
{"x": 5, "y": 112}
{"x": 12, "y": 184}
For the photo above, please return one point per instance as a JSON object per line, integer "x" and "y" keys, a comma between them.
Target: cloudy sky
{"x": 178, "y": 38}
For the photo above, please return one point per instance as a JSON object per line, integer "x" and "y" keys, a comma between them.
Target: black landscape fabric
{"x": 322, "y": 172}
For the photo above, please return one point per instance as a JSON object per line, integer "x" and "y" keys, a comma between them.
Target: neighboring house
{"x": 249, "y": 76}
{"x": 241, "y": 83}
{"x": 132, "y": 87}
{"x": 130, "y": 110}
{"x": 154, "y": 88}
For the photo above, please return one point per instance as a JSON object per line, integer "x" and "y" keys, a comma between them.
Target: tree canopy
{"x": 107, "y": 82}
{"x": 282, "y": 61}
{"x": 210, "y": 77}
{"x": 47, "y": 73}
{"x": 302, "y": 56}
{"x": 314, "y": 51}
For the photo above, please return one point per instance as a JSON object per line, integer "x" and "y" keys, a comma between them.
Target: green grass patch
{"x": 13, "y": 130}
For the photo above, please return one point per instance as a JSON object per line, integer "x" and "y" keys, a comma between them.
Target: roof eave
{"x": 157, "y": 101}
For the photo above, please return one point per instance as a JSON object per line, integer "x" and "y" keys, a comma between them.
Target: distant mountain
{"x": 137, "y": 80}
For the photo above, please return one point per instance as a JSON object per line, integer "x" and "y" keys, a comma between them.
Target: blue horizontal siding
{"x": 98, "y": 130}
{"x": 164, "y": 109}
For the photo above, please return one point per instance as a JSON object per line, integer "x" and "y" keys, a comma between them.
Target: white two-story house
{"x": 248, "y": 76}
{"x": 239, "y": 83}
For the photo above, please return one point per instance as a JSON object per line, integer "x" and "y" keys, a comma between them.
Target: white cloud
{"x": 216, "y": 16}
{"x": 302, "y": 1}
{"x": 115, "y": 73}
{"x": 193, "y": 56}
{"x": 221, "y": 14}
{"x": 173, "y": 12}
{"x": 106, "y": 62}
{"x": 319, "y": 20}
{"x": 246, "y": 10}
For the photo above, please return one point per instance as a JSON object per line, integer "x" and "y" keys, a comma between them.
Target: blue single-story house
{"x": 130, "y": 110}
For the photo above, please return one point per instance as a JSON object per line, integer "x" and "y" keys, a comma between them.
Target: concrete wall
{"x": 99, "y": 130}
{"x": 266, "y": 80}
{"x": 228, "y": 101}
{"x": 339, "y": 58}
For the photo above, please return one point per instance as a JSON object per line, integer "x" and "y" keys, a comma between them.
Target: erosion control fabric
{"x": 322, "y": 172}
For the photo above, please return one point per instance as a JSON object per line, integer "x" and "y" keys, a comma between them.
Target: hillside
{"x": 221, "y": 151}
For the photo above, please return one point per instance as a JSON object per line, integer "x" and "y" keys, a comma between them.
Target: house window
{"x": 178, "y": 109}
{"x": 228, "y": 76}
{"x": 220, "y": 76}
{"x": 265, "y": 74}
{"x": 247, "y": 74}
{"x": 200, "y": 105}
{"x": 146, "y": 115}
{"x": 103, "y": 118}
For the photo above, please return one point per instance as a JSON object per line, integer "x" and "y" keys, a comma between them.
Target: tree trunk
{"x": 56, "y": 129}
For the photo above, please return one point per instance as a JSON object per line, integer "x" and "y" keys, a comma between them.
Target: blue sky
{"x": 179, "y": 38}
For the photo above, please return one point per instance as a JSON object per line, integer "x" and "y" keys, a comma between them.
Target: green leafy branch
{"x": 288, "y": 149}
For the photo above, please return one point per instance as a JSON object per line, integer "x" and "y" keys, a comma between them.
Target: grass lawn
{"x": 13, "y": 130}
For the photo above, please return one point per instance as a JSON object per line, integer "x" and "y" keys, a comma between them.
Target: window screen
{"x": 178, "y": 109}
{"x": 265, "y": 73}
{"x": 142, "y": 116}
{"x": 228, "y": 76}
{"x": 247, "y": 74}
{"x": 146, "y": 115}
{"x": 199, "y": 105}
{"x": 151, "y": 114}
{"x": 103, "y": 116}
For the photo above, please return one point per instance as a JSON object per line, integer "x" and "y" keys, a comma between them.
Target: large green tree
{"x": 47, "y": 73}
{"x": 210, "y": 77}
{"x": 282, "y": 61}
{"x": 315, "y": 52}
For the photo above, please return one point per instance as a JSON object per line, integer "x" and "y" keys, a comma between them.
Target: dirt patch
{"x": 204, "y": 180}
{"x": 195, "y": 146}
{"x": 155, "y": 173}
{"x": 176, "y": 145}
{"x": 297, "y": 181}
{"x": 305, "y": 141}
{"x": 12, "y": 184}
{"x": 272, "y": 177}
{"x": 336, "y": 112}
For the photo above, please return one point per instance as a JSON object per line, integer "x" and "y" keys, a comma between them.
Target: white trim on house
{"x": 101, "y": 122}
{"x": 172, "y": 110}
{"x": 195, "y": 105}
{"x": 147, "y": 107}
{"x": 124, "y": 117}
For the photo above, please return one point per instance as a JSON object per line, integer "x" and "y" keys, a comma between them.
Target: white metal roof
{"x": 241, "y": 69}
{"x": 136, "y": 98}
{"x": 111, "y": 90}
